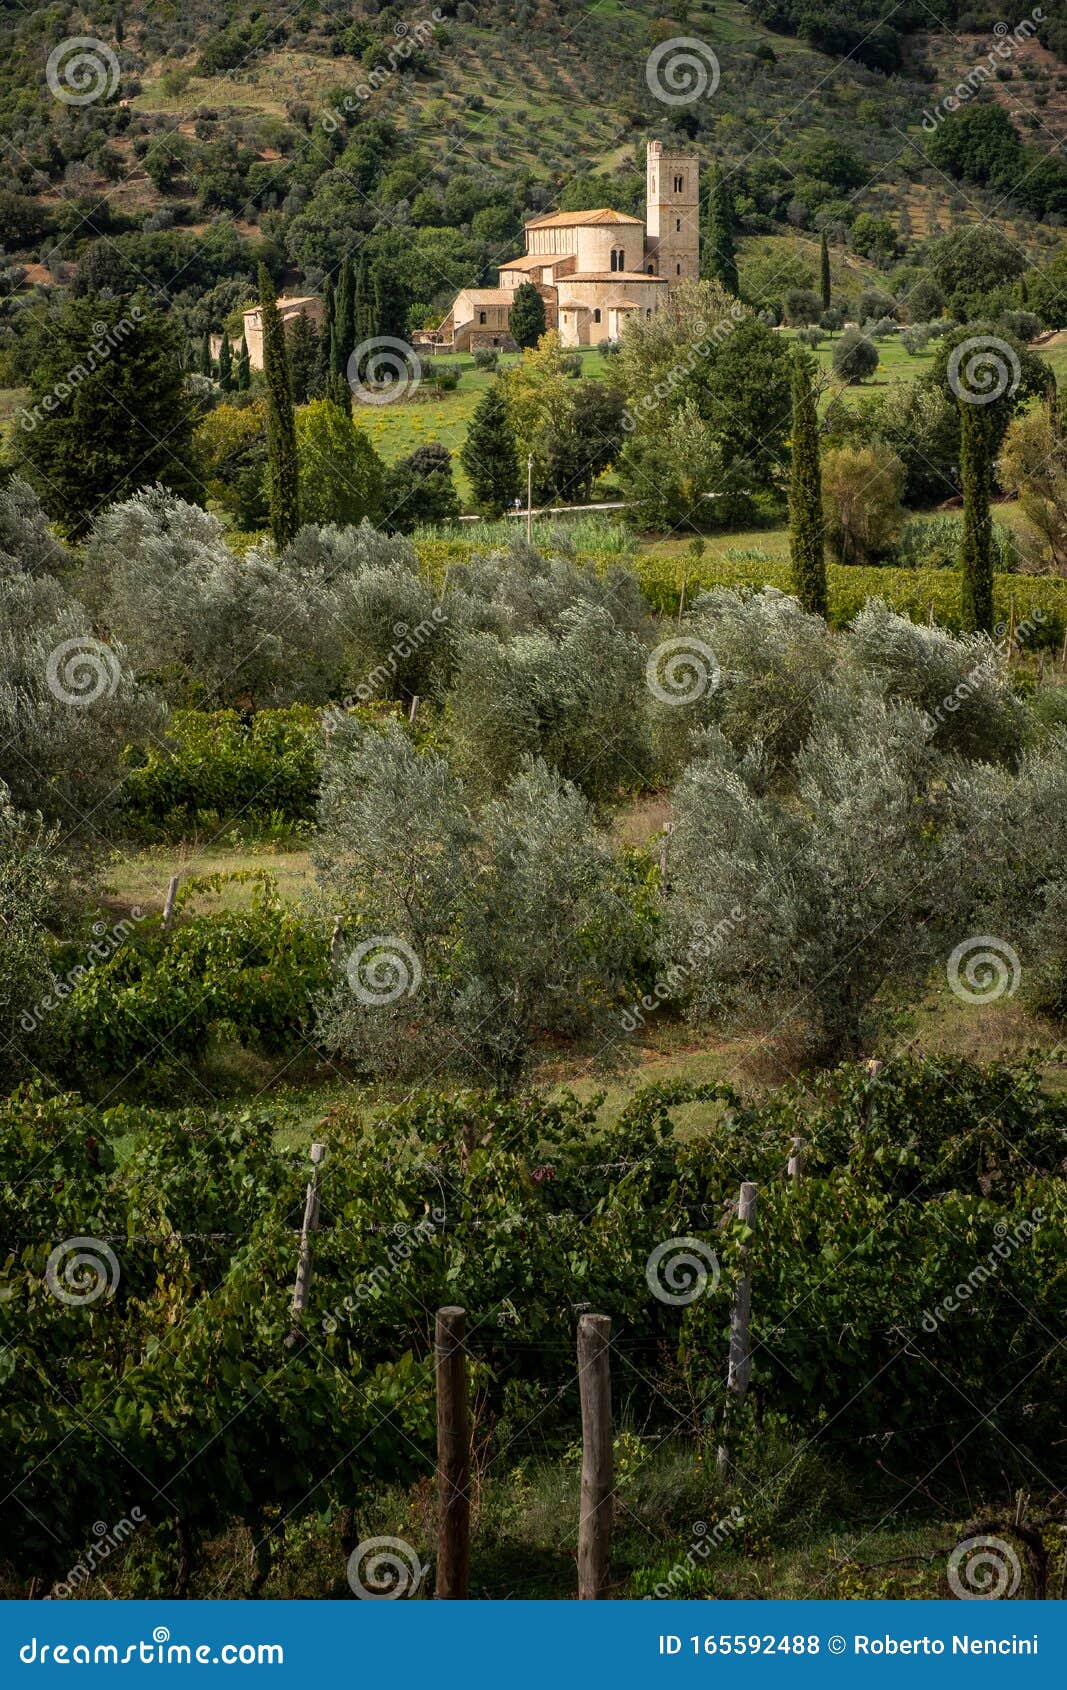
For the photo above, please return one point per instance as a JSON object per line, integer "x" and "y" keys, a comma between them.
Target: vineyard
{"x": 154, "y": 1370}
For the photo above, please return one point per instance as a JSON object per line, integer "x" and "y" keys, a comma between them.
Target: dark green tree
{"x": 106, "y": 412}
{"x": 342, "y": 332}
{"x": 207, "y": 363}
{"x": 720, "y": 256}
{"x": 526, "y": 319}
{"x": 243, "y": 378}
{"x": 824, "y": 271}
{"x": 225, "y": 363}
{"x": 806, "y": 550}
{"x": 325, "y": 350}
{"x": 282, "y": 470}
{"x": 338, "y": 392}
{"x": 490, "y": 455}
{"x": 977, "y": 551}
{"x": 303, "y": 347}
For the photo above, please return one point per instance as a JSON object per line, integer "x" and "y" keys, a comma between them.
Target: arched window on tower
{"x": 679, "y": 184}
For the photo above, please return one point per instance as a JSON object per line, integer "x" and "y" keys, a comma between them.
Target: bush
{"x": 855, "y": 357}
{"x": 214, "y": 767}
{"x": 486, "y": 358}
{"x": 862, "y": 489}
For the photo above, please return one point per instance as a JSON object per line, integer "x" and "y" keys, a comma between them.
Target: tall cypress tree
{"x": 342, "y": 338}
{"x": 244, "y": 368}
{"x": 325, "y": 363}
{"x": 824, "y": 271}
{"x": 282, "y": 473}
{"x": 720, "y": 255}
{"x": 806, "y": 548}
{"x": 225, "y": 363}
{"x": 364, "y": 325}
{"x": 303, "y": 347}
{"x": 490, "y": 455}
{"x": 206, "y": 361}
{"x": 977, "y": 435}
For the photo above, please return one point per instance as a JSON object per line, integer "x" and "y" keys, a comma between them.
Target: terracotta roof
{"x": 580, "y": 219}
{"x": 537, "y": 260}
{"x": 488, "y": 296}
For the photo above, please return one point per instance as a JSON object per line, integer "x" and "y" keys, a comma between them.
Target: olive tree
{"x": 468, "y": 937}
{"x": 805, "y": 905}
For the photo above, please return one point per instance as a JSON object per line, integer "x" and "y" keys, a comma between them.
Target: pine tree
{"x": 206, "y": 361}
{"x": 806, "y": 551}
{"x": 720, "y": 256}
{"x": 244, "y": 368}
{"x": 303, "y": 347}
{"x": 976, "y": 546}
{"x": 282, "y": 472}
{"x": 824, "y": 271}
{"x": 225, "y": 363}
{"x": 490, "y": 455}
{"x": 526, "y": 319}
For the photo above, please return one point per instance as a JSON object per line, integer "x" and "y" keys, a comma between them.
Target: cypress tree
{"x": 526, "y": 319}
{"x": 490, "y": 455}
{"x": 225, "y": 363}
{"x": 338, "y": 392}
{"x": 342, "y": 338}
{"x": 806, "y": 551}
{"x": 282, "y": 474}
{"x": 303, "y": 347}
{"x": 363, "y": 307}
{"x": 206, "y": 362}
{"x": 721, "y": 257}
{"x": 325, "y": 364}
{"x": 244, "y": 368}
{"x": 824, "y": 271}
{"x": 976, "y": 547}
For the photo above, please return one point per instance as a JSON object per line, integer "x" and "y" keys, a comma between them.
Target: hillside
{"x": 186, "y": 151}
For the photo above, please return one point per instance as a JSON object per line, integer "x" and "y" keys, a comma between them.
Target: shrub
{"x": 855, "y": 357}
{"x": 215, "y": 767}
{"x": 861, "y": 502}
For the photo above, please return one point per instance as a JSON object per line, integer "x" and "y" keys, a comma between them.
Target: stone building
{"x": 591, "y": 268}
{"x": 309, "y": 303}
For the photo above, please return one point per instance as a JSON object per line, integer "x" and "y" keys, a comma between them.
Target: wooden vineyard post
{"x": 739, "y": 1367}
{"x": 594, "y": 1521}
{"x": 795, "y": 1165}
{"x": 413, "y": 711}
{"x": 302, "y": 1288}
{"x": 337, "y": 943}
{"x": 453, "y": 1456}
{"x": 168, "y": 903}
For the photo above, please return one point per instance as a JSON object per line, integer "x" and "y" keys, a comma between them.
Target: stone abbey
{"x": 591, "y": 268}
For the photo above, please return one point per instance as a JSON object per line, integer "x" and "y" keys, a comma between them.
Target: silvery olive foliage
{"x": 469, "y": 936}
{"x": 961, "y": 684}
{"x": 765, "y": 659}
{"x": 208, "y": 626}
{"x": 577, "y": 698}
{"x": 68, "y": 701}
{"x": 27, "y": 544}
{"x": 528, "y": 591}
{"x": 817, "y": 898}
{"x": 400, "y": 638}
{"x": 337, "y": 552}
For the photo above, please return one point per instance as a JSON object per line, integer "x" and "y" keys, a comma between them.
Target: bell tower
{"x": 672, "y": 243}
